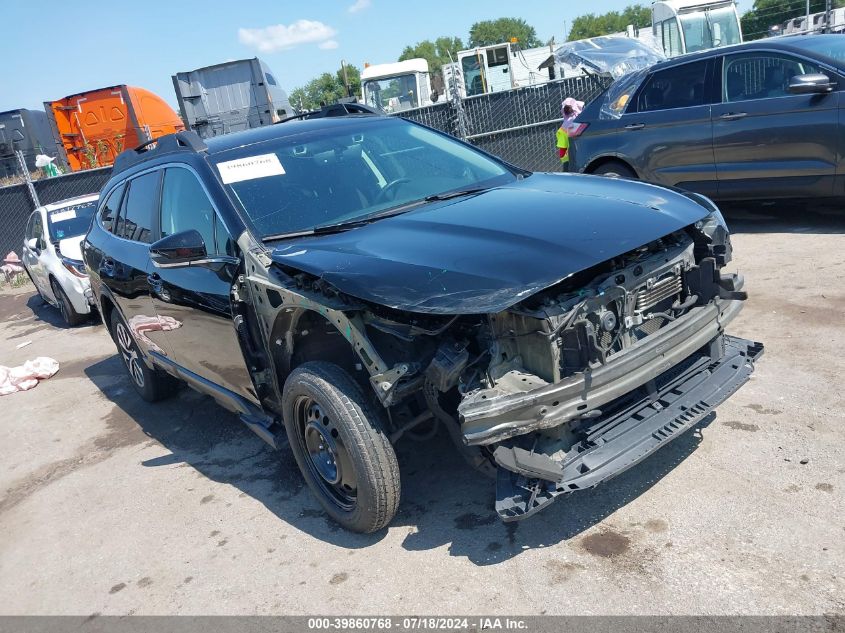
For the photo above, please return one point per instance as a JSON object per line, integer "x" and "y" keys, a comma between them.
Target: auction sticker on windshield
{"x": 250, "y": 168}
{"x": 59, "y": 216}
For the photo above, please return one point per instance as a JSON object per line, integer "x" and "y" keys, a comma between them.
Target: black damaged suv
{"x": 342, "y": 282}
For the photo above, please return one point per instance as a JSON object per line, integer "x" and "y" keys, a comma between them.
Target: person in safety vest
{"x": 570, "y": 108}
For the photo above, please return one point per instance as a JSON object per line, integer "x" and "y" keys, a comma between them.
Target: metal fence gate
{"x": 516, "y": 125}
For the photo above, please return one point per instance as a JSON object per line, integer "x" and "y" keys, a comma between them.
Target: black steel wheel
{"x": 339, "y": 443}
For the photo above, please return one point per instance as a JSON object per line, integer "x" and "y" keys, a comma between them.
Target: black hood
{"x": 484, "y": 253}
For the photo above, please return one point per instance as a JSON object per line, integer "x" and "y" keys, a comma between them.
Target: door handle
{"x": 635, "y": 126}
{"x": 733, "y": 116}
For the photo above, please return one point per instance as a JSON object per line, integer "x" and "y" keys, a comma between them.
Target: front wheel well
{"x": 607, "y": 160}
{"x": 305, "y": 336}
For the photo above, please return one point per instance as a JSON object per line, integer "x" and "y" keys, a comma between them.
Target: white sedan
{"x": 52, "y": 255}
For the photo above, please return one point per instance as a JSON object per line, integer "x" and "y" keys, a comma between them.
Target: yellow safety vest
{"x": 563, "y": 144}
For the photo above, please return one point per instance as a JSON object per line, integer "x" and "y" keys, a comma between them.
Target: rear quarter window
{"x": 110, "y": 207}
{"x": 136, "y": 219}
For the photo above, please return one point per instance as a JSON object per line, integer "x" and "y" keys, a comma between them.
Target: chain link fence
{"x": 18, "y": 201}
{"x": 516, "y": 125}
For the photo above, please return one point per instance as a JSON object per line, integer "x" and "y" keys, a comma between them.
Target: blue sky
{"x": 61, "y": 48}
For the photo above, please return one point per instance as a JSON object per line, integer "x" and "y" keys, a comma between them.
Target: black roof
{"x": 789, "y": 43}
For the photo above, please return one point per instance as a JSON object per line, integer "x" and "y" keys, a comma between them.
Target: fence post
{"x": 457, "y": 103}
{"x": 25, "y": 171}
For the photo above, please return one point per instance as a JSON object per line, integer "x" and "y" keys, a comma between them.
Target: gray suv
{"x": 758, "y": 120}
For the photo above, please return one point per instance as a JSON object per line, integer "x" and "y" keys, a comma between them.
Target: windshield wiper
{"x": 337, "y": 227}
{"x": 454, "y": 194}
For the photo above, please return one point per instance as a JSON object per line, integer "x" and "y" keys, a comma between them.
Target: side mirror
{"x": 814, "y": 83}
{"x": 32, "y": 244}
{"x": 179, "y": 249}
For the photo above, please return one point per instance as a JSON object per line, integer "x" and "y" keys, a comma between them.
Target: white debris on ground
{"x": 26, "y": 376}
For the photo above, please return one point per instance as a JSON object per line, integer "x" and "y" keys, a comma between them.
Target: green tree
{"x": 326, "y": 89}
{"x": 766, "y": 13}
{"x": 592, "y": 25}
{"x": 353, "y": 75}
{"x": 502, "y": 30}
{"x": 298, "y": 98}
{"x": 436, "y": 53}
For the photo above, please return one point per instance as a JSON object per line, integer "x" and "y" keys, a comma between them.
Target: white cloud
{"x": 327, "y": 45}
{"x": 360, "y": 5}
{"x": 277, "y": 37}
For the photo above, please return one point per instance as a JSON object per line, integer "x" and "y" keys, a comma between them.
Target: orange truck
{"x": 93, "y": 127}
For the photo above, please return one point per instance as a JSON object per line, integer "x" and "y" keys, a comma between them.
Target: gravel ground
{"x": 113, "y": 506}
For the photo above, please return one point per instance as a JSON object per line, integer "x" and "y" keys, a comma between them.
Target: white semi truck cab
{"x": 687, "y": 26}
{"x": 396, "y": 87}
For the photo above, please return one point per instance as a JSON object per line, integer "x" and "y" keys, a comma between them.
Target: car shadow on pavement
{"x": 44, "y": 316}
{"x": 444, "y": 501}
{"x": 783, "y": 218}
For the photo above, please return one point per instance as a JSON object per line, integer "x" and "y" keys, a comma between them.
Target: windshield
{"x": 710, "y": 29}
{"x": 392, "y": 95}
{"x": 70, "y": 221}
{"x": 349, "y": 172}
{"x": 830, "y": 46}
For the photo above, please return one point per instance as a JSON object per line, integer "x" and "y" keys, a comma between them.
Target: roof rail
{"x": 186, "y": 141}
{"x": 340, "y": 108}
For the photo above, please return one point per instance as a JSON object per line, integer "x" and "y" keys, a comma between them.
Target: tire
{"x": 69, "y": 313}
{"x": 615, "y": 169}
{"x": 339, "y": 444}
{"x": 151, "y": 384}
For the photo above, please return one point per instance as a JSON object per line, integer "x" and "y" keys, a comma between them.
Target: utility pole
{"x": 807, "y": 19}
{"x": 827, "y": 16}
{"x": 346, "y": 78}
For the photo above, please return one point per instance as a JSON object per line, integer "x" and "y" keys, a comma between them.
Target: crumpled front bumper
{"x": 629, "y": 429}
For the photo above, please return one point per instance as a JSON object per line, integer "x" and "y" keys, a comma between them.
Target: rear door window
{"x": 761, "y": 75}
{"x": 136, "y": 219}
{"x": 681, "y": 86}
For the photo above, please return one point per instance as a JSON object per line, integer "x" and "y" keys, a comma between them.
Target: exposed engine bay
{"x": 531, "y": 391}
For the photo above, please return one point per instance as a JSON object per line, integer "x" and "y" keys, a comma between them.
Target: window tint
{"x": 29, "y": 226}
{"x": 677, "y": 87}
{"x": 669, "y": 36}
{"x": 38, "y": 228}
{"x": 497, "y": 56}
{"x": 761, "y": 76}
{"x": 111, "y": 206}
{"x": 184, "y": 206}
{"x": 136, "y": 219}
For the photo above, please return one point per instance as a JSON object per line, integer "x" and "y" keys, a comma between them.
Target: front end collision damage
{"x": 560, "y": 391}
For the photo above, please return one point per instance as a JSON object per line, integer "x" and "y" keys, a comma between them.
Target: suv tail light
{"x": 579, "y": 129}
